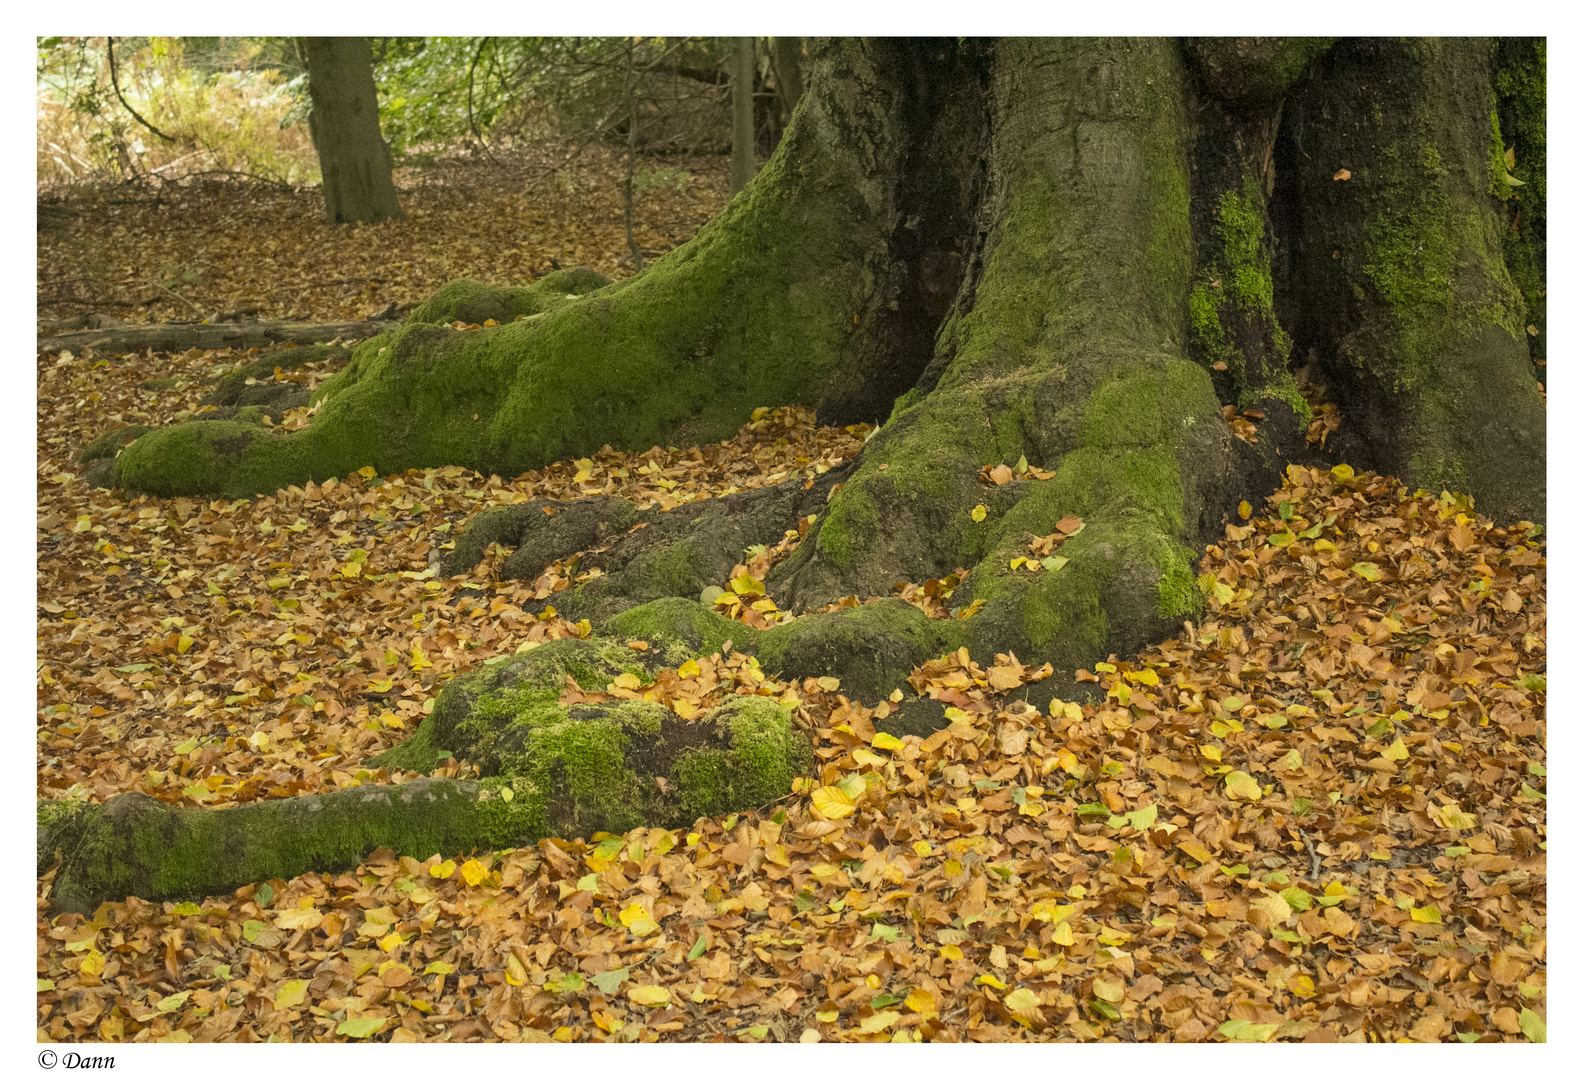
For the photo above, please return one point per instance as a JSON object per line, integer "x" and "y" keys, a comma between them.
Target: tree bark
{"x": 743, "y": 136}
{"x": 353, "y": 158}
{"x": 1068, "y": 255}
{"x": 1407, "y": 308}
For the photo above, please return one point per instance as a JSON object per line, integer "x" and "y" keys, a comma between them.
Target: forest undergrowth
{"x": 1317, "y": 815}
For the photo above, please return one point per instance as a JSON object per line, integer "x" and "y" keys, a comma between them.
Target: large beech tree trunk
{"x": 344, "y": 123}
{"x": 1074, "y": 252}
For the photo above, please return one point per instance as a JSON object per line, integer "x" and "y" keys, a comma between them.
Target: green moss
{"x": 110, "y": 443}
{"x": 1178, "y": 591}
{"x": 1424, "y": 258}
{"x": 905, "y": 402}
{"x": 872, "y": 648}
{"x": 474, "y": 302}
{"x": 1520, "y": 87}
{"x": 1236, "y": 283}
{"x": 1498, "y": 185}
{"x": 685, "y": 622}
{"x": 765, "y": 752}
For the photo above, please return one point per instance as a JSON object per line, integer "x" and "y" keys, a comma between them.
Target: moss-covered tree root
{"x": 769, "y": 304}
{"x": 134, "y": 845}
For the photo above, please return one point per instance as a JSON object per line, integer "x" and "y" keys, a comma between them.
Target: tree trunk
{"x": 1064, "y": 257}
{"x": 788, "y": 74}
{"x": 353, "y": 158}
{"x": 743, "y": 135}
{"x": 1407, "y": 309}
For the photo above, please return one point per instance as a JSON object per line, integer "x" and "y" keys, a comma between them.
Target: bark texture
{"x": 353, "y": 158}
{"x": 1400, "y": 295}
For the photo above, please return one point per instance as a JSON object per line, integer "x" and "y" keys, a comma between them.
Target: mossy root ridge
{"x": 1413, "y": 319}
{"x": 1072, "y": 355}
{"x": 766, "y": 306}
{"x": 611, "y": 766}
{"x": 134, "y": 845}
{"x": 649, "y": 554}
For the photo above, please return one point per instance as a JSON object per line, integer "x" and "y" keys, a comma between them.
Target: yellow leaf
{"x": 627, "y": 681}
{"x": 886, "y": 741}
{"x": 1239, "y": 785}
{"x": 1430, "y": 914}
{"x": 921, "y": 1001}
{"x": 392, "y": 940}
{"x": 1366, "y": 570}
{"x": 879, "y": 1021}
{"x": 868, "y": 758}
{"x": 951, "y": 952}
{"x": 747, "y": 585}
{"x": 1450, "y": 816}
{"x": 979, "y": 512}
{"x": 1275, "y": 906}
{"x": 443, "y": 870}
{"x": 649, "y": 995}
{"x": 990, "y": 980}
{"x": 1342, "y": 472}
{"x": 367, "y": 472}
{"x": 688, "y": 670}
{"x": 1063, "y": 934}
{"x": 473, "y": 872}
{"x": 1110, "y": 988}
{"x": 300, "y": 918}
{"x": 635, "y": 917}
{"x": 291, "y": 994}
{"x": 1023, "y": 1002}
{"x": 1051, "y": 912}
{"x": 832, "y": 803}
{"x": 684, "y": 709}
{"x": 1397, "y": 751}
{"x": 1210, "y": 751}
{"x": 1244, "y": 510}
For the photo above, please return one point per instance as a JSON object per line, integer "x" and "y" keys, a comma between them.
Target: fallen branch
{"x": 176, "y": 337}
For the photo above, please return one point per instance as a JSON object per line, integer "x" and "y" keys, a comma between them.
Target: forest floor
{"x": 1318, "y": 816}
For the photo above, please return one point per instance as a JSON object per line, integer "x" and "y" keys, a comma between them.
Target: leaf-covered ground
{"x": 186, "y": 251}
{"x": 1319, "y": 815}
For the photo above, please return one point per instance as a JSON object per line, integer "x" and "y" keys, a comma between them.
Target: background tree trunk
{"x": 743, "y": 135}
{"x": 788, "y": 74}
{"x": 344, "y": 123}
